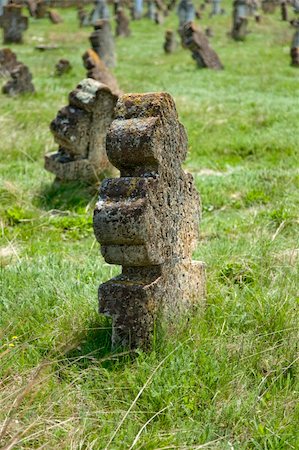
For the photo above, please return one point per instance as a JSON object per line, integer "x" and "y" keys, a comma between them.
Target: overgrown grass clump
{"x": 228, "y": 379}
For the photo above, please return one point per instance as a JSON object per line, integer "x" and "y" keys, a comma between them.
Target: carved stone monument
{"x": 102, "y": 42}
{"x": 197, "y": 42}
{"x": 97, "y": 70}
{"x": 122, "y": 23}
{"x": 170, "y": 43}
{"x": 239, "y": 28}
{"x": 8, "y": 61}
{"x": 80, "y": 131}
{"x": 295, "y": 47}
{"x": 147, "y": 221}
{"x": 13, "y": 24}
{"x": 20, "y": 82}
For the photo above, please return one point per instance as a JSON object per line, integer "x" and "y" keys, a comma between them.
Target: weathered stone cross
{"x": 147, "y": 221}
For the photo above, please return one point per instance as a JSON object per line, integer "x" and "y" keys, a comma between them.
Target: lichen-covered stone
{"x": 80, "y": 131}
{"x": 147, "y": 220}
{"x": 197, "y": 42}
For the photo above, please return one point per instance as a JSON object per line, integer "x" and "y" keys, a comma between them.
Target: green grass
{"x": 227, "y": 380}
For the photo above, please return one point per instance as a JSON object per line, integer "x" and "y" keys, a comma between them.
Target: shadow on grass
{"x": 94, "y": 348}
{"x": 66, "y": 196}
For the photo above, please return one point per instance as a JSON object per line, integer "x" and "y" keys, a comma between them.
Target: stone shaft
{"x": 147, "y": 221}
{"x": 80, "y": 131}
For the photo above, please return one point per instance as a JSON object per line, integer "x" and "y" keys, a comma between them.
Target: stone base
{"x": 80, "y": 169}
{"x": 142, "y": 299}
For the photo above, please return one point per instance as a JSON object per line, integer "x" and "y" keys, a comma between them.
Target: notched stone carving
{"x": 147, "y": 220}
{"x": 80, "y": 131}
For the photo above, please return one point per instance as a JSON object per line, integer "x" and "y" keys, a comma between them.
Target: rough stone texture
{"x": 97, "y": 70}
{"x": 102, "y": 42}
{"x": 197, "y": 42}
{"x": 63, "y": 66}
{"x": 80, "y": 131}
{"x": 295, "y": 48}
{"x": 8, "y": 61}
{"x": 2, "y": 4}
{"x": 147, "y": 221}
{"x": 20, "y": 81}
{"x": 13, "y": 24}
{"x": 239, "y": 28}
{"x": 122, "y": 23}
{"x": 41, "y": 9}
{"x": 54, "y": 17}
{"x": 170, "y": 44}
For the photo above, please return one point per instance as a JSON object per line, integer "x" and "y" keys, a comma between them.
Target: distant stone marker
{"x": 20, "y": 83}
{"x": 63, "y": 66}
{"x": 186, "y": 12}
{"x": 101, "y": 11}
{"x": 170, "y": 44}
{"x": 41, "y": 9}
{"x": 197, "y": 42}
{"x": 216, "y": 8}
{"x": 269, "y": 6}
{"x": 13, "y": 24}
{"x": 98, "y": 71}
{"x": 83, "y": 17}
{"x": 122, "y": 23}
{"x": 54, "y": 17}
{"x": 103, "y": 43}
{"x": 8, "y": 61}
{"x": 295, "y": 48}
{"x": 2, "y": 4}
{"x": 284, "y": 10}
{"x": 80, "y": 131}
{"x": 147, "y": 221}
{"x": 31, "y": 4}
{"x": 239, "y": 28}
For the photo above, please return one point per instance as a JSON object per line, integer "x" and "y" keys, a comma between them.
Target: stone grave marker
{"x": 83, "y": 17}
{"x": 80, "y": 131}
{"x": 102, "y": 42}
{"x": 13, "y": 24}
{"x": 101, "y": 11}
{"x": 240, "y": 21}
{"x": 295, "y": 46}
{"x": 216, "y": 8}
{"x": 137, "y": 9}
{"x": 20, "y": 82}
{"x": 97, "y": 70}
{"x": 31, "y": 5}
{"x": 2, "y": 4}
{"x": 186, "y": 12}
{"x": 170, "y": 44}
{"x": 151, "y": 10}
{"x": 122, "y": 24}
{"x": 284, "y": 11}
{"x": 41, "y": 9}
{"x": 268, "y": 6}
{"x": 54, "y": 17}
{"x": 8, "y": 61}
{"x": 147, "y": 221}
{"x": 197, "y": 42}
{"x": 63, "y": 66}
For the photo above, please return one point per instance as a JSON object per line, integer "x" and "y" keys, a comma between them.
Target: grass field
{"x": 229, "y": 380}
